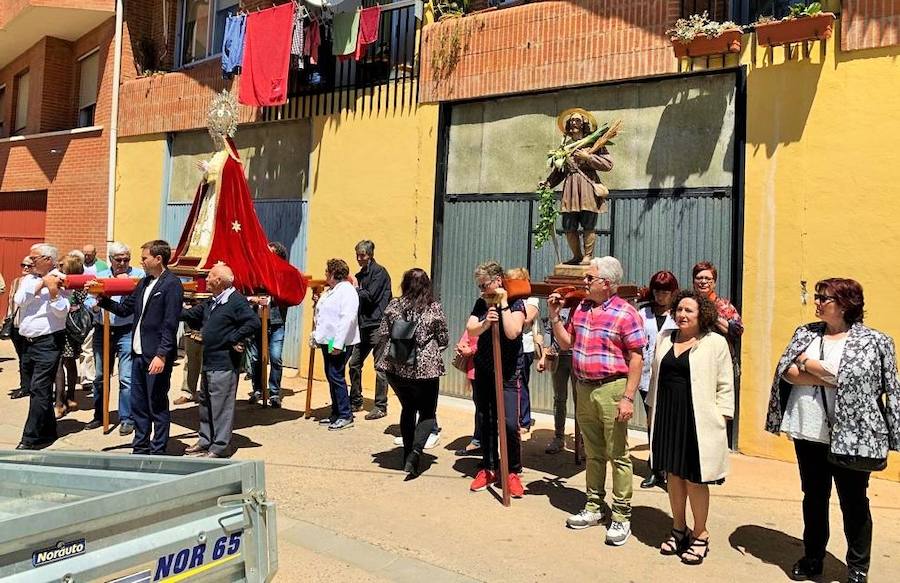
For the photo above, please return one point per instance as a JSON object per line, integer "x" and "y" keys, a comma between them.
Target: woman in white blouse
{"x": 657, "y": 316}
{"x": 336, "y": 332}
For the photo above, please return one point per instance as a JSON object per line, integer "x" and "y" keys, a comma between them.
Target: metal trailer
{"x": 77, "y": 516}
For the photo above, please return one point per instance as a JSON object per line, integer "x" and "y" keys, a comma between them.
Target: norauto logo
{"x": 62, "y": 550}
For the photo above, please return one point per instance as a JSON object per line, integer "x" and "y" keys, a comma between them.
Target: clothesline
{"x": 264, "y": 45}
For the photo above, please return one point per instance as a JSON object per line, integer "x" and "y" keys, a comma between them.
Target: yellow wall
{"x": 372, "y": 177}
{"x": 821, "y": 201}
{"x": 139, "y": 182}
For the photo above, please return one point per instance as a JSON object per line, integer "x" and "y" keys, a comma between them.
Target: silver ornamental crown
{"x": 222, "y": 118}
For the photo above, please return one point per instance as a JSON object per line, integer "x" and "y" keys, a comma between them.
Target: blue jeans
{"x": 119, "y": 344}
{"x": 276, "y": 346}
{"x": 335, "y": 372}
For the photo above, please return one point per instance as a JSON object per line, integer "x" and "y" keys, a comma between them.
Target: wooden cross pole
{"x": 106, "y": 369}
{"x": 264, "y": 352}
{"x": 501, "y": 412}
{"x": 316, "y": 290}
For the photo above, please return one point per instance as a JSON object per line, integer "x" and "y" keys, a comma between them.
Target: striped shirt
{"x": 602, "y": 334}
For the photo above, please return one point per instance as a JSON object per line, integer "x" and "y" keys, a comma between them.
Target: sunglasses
{"x": 121, "y": 259}
{"x": 485, "y": 284}
{"x": 28, "y": 265}
{"x": 822, "y": 298}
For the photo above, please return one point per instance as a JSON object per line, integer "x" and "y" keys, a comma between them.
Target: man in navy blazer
{"x": 156, "y": 305}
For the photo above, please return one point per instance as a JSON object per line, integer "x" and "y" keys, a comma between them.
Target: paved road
{"x": 345, "y": 510}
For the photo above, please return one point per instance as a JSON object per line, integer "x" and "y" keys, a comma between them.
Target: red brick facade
{"x": 869, "y": 24}
{"x": 549, "y": 45}
{"x": 72, "y": 168}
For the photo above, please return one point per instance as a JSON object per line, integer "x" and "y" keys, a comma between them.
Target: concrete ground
{"x": 345, "y": 510}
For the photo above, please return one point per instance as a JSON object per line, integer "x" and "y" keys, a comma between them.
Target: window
{"x": 2, "y": 110}
{"x": 203, "y": 27}
{"x": 20, "y": 115}
{"x": 89, "y": 70}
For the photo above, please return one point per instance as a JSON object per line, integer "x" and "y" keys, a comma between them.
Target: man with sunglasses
{"x": 119, "y": 342}
{"x": 43, "y": 309}
{"x": 607, "y": 338}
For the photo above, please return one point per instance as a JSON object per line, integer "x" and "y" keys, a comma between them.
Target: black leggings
{"x": 486, "y": 405}
{"x": 418, "y": 402}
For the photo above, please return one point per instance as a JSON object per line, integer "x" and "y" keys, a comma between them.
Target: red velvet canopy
{"x": 239, "y": 241}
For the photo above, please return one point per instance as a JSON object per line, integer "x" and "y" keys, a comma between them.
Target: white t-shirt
{"x": 805, "y": 416}
{"x": 528, "y": 336}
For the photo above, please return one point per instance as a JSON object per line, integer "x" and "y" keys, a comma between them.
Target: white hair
{"x": 609, "y": 269}
{"x": 224, "y": 272}
{"x": 77, "y": 253}
{"x": 117, "y": 248}
{"x": 46, "y": 250}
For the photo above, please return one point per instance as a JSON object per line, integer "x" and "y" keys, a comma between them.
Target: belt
{"x": 604, "y": 380}
{"x": 42, "y": 337}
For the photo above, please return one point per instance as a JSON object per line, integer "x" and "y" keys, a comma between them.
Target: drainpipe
{"x": 114, "y": 123}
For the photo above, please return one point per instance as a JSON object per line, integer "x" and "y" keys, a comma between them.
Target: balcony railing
{"x": 381, "y": 74}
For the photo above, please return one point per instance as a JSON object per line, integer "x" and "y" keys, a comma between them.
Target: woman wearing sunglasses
{"x": 836, "y": 395}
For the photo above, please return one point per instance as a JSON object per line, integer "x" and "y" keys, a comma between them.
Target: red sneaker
{"x": 481, "y": 481}
{"x": 516, "y": 490}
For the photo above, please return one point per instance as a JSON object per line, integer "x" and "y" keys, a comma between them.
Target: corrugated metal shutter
{"x": 283, "y": 220}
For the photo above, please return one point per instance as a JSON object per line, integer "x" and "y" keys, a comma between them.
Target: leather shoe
{"x": 806, "y": 569}
{"x": 33, "y": 446}
{"x": 18, "y": 394}
{"x": 182, "y": 400}
{"x": 126, "y": 429}
{"x": 93, "y": 424}
{"x": 857, "y": 576}
{"x": 654, "y": 479}
{"x": 375, "y": 414}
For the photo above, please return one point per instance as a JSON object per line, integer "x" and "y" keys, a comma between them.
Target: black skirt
{"x": 674, "y": 449}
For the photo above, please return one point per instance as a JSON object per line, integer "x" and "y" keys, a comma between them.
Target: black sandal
{"x": 675, "y": 544}
{"x": 691, "y": 556}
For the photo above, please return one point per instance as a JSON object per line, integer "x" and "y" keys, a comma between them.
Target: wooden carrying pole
{"x": 501, "y": 411}
{"x": 316, "y": 290}
{"x": 106, "y": 369}
{"x": 264, "y": 353}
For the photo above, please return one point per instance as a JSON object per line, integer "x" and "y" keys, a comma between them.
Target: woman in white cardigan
{"x": 336, "y": 333}
{"x": 691, "y": 397}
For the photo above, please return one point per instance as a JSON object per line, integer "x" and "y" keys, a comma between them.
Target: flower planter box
{"x": 703, "y": 46}
{"x": 782, "y": 32}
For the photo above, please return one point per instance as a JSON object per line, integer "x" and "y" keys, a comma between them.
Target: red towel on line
{"x": 267, "y": 56}
{"x": 368, "y": 29}
{"x": 311, "y": 42}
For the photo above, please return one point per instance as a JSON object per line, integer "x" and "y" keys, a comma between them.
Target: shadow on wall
{"x": 681, "y": 149}
{"x": 780, "y": 95}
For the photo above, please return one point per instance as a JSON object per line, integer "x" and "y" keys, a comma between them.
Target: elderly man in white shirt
{"x": 336, "y": 333}
{"x": 43, "y": 309}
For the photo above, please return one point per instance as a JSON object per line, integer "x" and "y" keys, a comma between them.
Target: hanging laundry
{"x": 297, "y": 41}
{"x": 233, "y": 44}
{"x": 345, "y": 32}
{"x": 267, "y": 56}
{"x": 312, "y": 39}
{"x": 368, "y": 30}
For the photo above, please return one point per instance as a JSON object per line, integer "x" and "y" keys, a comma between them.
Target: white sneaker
{"x": 398, "y": 440}
{"x": 618, "y": 533}
{"x": 584, "y": 519}
{"x": 433, "y": 440}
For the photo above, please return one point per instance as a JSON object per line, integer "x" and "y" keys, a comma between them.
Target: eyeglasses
{"x": 28, "y": 265}
{"x": 704, "y": 279}
{"x": 823, "y": 299}
{"x": 589, "y": 279}
{"x": 483, "y": 285}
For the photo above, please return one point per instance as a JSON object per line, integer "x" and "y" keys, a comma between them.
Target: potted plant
{"x": 698, "y": 36}
{"x": 803, "y": 23}
{"x": 450, "y": 8}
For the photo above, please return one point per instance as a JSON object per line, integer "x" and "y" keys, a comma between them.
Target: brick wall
{"x": 174, "y": 101}
{"x": 149, "y": 34}
{"x": 56, "y": 89}
{"x": 549, "y": 45}
{"x": 869, "y": 24}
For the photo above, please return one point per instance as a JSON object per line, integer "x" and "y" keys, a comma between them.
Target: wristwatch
{"x": 801, "y": 364}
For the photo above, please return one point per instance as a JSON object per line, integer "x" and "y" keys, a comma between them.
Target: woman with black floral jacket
{"x": 836, "y": 395}
{"x": 415, "y": 381}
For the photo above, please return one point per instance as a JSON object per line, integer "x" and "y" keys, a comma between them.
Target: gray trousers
{"x": 216, "y": 407}
{"x": 562, "y": 378}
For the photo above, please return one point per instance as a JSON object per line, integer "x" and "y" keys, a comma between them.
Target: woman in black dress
{"x": 692, "y": 396}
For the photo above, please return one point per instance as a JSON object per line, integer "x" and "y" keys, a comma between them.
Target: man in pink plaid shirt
{"x": 606, "y": 335}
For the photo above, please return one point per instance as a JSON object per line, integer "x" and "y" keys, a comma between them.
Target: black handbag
{"x": 78, "y": 325}
{"x": 402, "y": 349}
{"x": 857, "y": 463}
{"x": 6, "y": 329}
